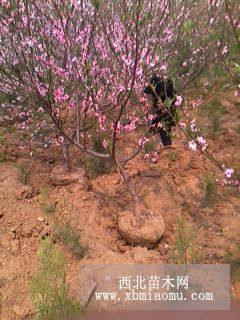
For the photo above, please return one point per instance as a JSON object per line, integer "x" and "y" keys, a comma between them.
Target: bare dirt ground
{"x": 173, "y": 186}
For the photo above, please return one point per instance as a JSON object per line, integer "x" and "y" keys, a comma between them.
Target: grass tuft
{"x": 185, "y": 250}
{"x": 48, "y": 288}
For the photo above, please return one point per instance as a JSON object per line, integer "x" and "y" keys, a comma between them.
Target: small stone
{"x": 25, "y": 192}
{"x": 163, "y": 248}
{"x": 116, "y": 181}
{"x": 1, "y": 215}
{"x": 27, "y": 231}
{"x": 35, "y": 234}
{"x": 13, "y": 229}
{"x": 15, "y": 245}
{"x": 45, "y": 232}
{"x": 84, "y": 198}
{"x": 59, "y": 177}
{"x": 40, "y": 219}
{"x": 12, "y": 234}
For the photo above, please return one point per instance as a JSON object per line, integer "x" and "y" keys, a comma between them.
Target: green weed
{"x": 24, "y": 170}
{"x": 97, "y": 166}
{"x": 66, "y": 232}
{"x": 48, "y": 288}
{"x": 47, "y": 205}
{"x": 185, "y": 250}
{"x": 211, "y": 192}
{"x": 3, "y": 147}
{"x": 233, "y": 259}
{"x": 70, "y": 238}
{"x": 237, "y": 129}
{"x": 149, "y": 146}
{"x": 215, "y": 112}
{"x": 172, "y": 156}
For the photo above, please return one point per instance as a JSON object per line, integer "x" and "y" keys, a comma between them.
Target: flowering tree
{"x": 232, "y": 63}
{"x": 85, "y": 63}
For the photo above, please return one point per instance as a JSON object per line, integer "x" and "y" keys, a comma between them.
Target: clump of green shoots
{"x": 149, "y": 146}
{"x": 24, "y": 172}
{"x": 185, "y": 250}
{"x": 66, "y": 232}
{"x": 47, "y": 205}
{"x": 70, "y": 238}
{"x": 233, "y": 259}
{"x": 97, "y": 166}
{"x": 48, "y": 288}
{"x": 211, "y": 192}
{"x": 3, "y": 146}
{"x": 215, "y": 112}
{"x": 61, "y": 226}
{"x": 237, "y": 129}
{"x": 172, "y": 156}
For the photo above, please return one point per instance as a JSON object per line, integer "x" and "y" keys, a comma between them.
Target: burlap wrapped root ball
{"x": 147, "y": 235}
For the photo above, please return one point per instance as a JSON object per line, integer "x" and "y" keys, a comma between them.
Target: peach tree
{"x": 81, "y": 66}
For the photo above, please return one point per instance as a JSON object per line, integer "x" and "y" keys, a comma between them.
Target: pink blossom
{"x": 142, "y": 141}
{"x": 164, "y": 67}
{"x": 196, "y": 103}
{"x": 182, "y": 125}
{"x": 229, "y": 172}
{"x": 192, "y": 145}
{"x": 94, "y": 71}
{"x": 101, "y": 120}
{"x": 42, "y": 90}
{"x": 179, "y": 101}
{"x": 5, "y": 3}
{"x": 59, "y": 95}
{"x": 193, "y": 126}
{"x": 202, "y": 142}
{"x": 104, "y": 143}
{"x": 61, "y": 139}
{"x": 225, "y": 50}
{"x": 159, "y": 125}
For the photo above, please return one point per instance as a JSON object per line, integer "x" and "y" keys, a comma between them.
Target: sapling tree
{"x": 85, "y": 63}
{"x": 232, "y": 63}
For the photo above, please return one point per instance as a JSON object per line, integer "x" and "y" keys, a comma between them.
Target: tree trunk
{"x": 131, "y": 188}
{"x": 78, "y": 125}
{"x": 65, "y": 156}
